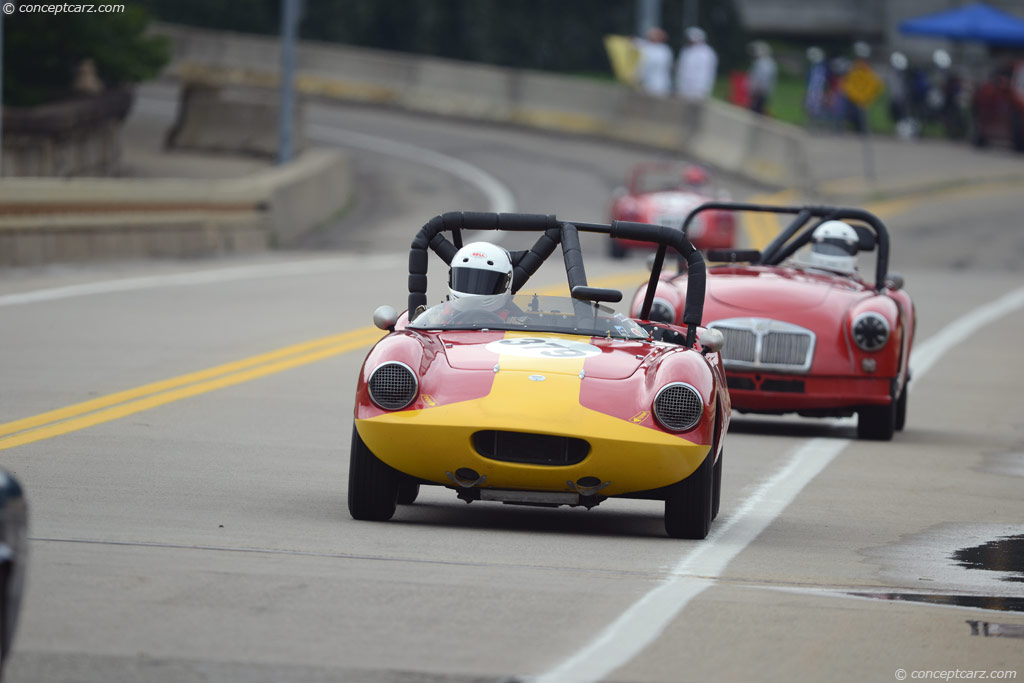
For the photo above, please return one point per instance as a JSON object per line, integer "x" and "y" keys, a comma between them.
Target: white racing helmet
{"x": 834, "y": 247}
{"x": 480, "y": 277}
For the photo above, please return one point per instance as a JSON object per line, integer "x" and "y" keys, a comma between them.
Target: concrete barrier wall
{"x": 85, "y": 219}
{"x": 61, "y": 139}
{"x": 719, "y": 134}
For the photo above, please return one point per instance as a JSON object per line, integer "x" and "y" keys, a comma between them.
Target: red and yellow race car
{"x": 501, "y": 393}
{"x": 664, "y": 194}
{"x": 804, "y": 332}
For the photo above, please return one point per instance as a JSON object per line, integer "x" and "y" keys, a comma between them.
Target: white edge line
{"x": 644, "y": 621}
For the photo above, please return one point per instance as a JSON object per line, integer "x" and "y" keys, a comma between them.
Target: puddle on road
{"x": 1002, "y": 555}
{"x": 989, "y": 629}
{"x": 1003, "y": 604}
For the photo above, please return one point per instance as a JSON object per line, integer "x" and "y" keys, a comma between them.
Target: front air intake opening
{"x": 532, "y": 449}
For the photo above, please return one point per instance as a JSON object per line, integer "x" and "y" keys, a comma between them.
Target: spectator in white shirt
{"x": 763, "y": 75}
{"x": 654, "y": 67}
{"x": 698, "y": 63}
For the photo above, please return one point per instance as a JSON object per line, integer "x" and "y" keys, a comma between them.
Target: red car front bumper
{"x": 771, "y": 393}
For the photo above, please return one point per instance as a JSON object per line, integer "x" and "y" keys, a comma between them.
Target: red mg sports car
{"x": 807, "y": 335}
{"x": 505, "y": 394}
{"x": 664, "y": 194}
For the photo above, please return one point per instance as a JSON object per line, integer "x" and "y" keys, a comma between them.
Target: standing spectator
{"x": 654, "y": 66}
{"x": 695, "y": 72}
{"x": 816, "y": 94}
{"x": 899, "y": 99}
{"x": 764, "y": 74}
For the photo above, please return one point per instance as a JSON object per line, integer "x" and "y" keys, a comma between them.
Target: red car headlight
{"x": 870, "y": 331}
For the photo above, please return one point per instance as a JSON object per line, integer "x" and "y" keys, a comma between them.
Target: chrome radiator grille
{"x": 765, "y": 344}
{"x": 739, "y": 345}
{"x": 785, "y": 348}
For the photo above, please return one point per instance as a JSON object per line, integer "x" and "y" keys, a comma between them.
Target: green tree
{"x": 42, "y": 52}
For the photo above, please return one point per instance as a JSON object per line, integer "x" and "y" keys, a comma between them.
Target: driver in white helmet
{"x": 479, "y": 288}
{"x": 834, "y": 247}
{"x": 480, "y": 278}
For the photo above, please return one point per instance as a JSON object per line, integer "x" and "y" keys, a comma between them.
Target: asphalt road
{"x": 197, "y": 530}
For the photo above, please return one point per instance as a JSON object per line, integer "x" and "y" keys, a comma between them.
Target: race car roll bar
{"x": 526, "y": 263}
{"x": 780, "y": 248}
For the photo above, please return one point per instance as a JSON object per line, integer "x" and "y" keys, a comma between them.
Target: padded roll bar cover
{"x": 430, "y": 236}
{"x": 526, "y": 263}
{"x": 572, "y": 253}
{"x": 652, "y": 233}
{"x": 693, "y": 311}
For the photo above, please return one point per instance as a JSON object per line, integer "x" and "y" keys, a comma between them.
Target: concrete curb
{"x": 45, "y": 220}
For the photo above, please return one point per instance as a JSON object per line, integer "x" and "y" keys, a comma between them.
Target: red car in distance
{"x": 663, "y": 193}
{"x": 997, "y": 107}
{"x": 806, "y": 335}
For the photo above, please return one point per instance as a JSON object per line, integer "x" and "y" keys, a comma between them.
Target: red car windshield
{"x": 533, "y": 313}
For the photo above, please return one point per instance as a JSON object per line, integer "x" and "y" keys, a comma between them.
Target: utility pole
{"x": 648, "y": 15}
{"x": 1, "y": 93}
{"x": 691, "y": 13}
{"x": 290, "y": 11}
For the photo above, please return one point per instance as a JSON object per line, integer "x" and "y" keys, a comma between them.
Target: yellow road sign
{"x": 862, "y": 85}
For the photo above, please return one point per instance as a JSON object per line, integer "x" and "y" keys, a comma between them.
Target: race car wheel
{"x": 408, "y": 491}
{"x": 372, "y": 485}
{"x": 688, "y": 505}
{"x": 876, "y": 423}
{"x": 901, "y": 409}
{"x": 716, "y": 496}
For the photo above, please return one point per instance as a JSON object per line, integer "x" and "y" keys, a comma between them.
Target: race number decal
{"x": 542, "y": 347}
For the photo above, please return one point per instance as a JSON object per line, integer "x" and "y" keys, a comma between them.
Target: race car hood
{"x": 545, "y": 352}
{"x": 781, "y": 290}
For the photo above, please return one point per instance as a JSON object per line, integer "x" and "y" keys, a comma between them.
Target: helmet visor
{"x": 479, "y": 281}
{"x": 834, "y": 247}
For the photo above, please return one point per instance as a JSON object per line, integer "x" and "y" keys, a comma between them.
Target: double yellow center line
{"x": 124, "y": 403}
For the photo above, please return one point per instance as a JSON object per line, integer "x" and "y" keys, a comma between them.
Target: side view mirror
{"x": 711, "y": 339}
{"x": 385, "y": 318}
{"x": 894, "y": 281}
{"x": 596, "y": 294}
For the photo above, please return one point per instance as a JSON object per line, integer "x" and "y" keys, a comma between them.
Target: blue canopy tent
{"x": 974, "y": 22}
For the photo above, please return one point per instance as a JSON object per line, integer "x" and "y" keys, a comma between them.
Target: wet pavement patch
{"x": 988, "y": 629}
{"x": 992, "y": 602}
{"x": 1002, "y": 555}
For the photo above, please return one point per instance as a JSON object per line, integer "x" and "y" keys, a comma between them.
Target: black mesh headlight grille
{"x": 870, "y": 331}
{"x": 678, "y": 407}
{"x": 392, "y": 385}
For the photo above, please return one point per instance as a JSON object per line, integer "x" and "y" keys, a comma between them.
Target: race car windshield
{"x": 535, "y": 313}
{"x": 478, "y": 281}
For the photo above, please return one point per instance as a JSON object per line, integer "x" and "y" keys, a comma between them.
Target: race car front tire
{"x": 901, "y": 409}
{"x": 408, "y": 491}
{"x": 876, "y": 423}
{"x": 688, "y": 503}
{"x": 372, "y": 485}
{"x": 716, "y": 496}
